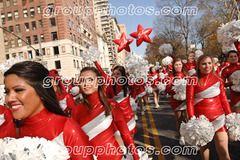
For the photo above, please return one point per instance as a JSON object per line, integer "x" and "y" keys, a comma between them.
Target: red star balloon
{"x": 123, "y": 43}
{"x": 142, "y": 35}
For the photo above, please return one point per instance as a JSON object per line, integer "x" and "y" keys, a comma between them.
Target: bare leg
{"x": 221, "y": 143}
{"x": 204, "y": 151}
{"x": 178, "y": 119}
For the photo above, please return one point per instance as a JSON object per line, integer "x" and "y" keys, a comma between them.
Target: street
{"x": 157, "y": 132}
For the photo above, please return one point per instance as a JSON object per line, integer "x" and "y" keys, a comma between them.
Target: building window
{"x": 9, "y": 16}
{"x": 7, "y": 56}
{"x": 3, "y": 17}
{"x": 14, "y": 2}
{"x": 58, "y": 64}
{"x": 26, "y": 25}
{"x": 42, "y": 38}
{"x": 51, "y": 7}
{"x": 72, "y": 50}
{"x": 28, "y": 39}
{"x": 81, "y": 52}
{"x": 8, "y": 3}
{"x": 69, "y": 24}
{"x": 43, "y": 51}
{"x": 71, "y": 36}
{"x": 25, "y": 13}
{"x": 30, "y": 55}
{"x": 32, "y": 12}
{"x": 35, "y": 39}
{"x": 74, "y": 63}
{"x": 54, "y": 36}
{"x": 52, "y": 22}
{"x": 38, "y": 10}
{"x": 77, "y": 64}
{"x": 18, "y": 30}
{"x": 76, "y": 51}
{"x": 14, "y": 55}
{"x": 20, "y": 54}
{"x": 19, "y": 43}
{"x": 56, "y": 50}
{"x": 6, "y": 43}
{"x": 40, "y": 23}
{"x": 34, "y": 26}
{"x": 16, "y": 15}
{"x": 11, "y": 28}
{"x": 37, "y": 52}
{"x": 72, "y": 25}
{"x": 74, "y": 38}
{"x": 13, "y": 44}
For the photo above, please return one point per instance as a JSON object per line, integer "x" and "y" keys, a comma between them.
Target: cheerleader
{"x": 226, "y": 74}
{"x": 98, "y": 116}
{"x": 7, "y": 128}
{"x": 65, "y": 99}
{"x": 208, "y": 98}
{"x": 153, "y": 80}
{"x": 178, "y": 106}
{"x": 33, "y": 102}
{"x": 190, "y": 66}
{"x": 141, "y": 94}
{"x": 119, "y": 90}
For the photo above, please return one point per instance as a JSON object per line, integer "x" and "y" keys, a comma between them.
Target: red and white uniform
{"x": 190, "y": 66}
{"x": 66, "y": 101}
{"x": 217, "y": 69}
{"x": 208, "y": 99}
{"x": 124, "y": 102}
{"x": 100, "y": 128}
{"x": 176, "y": 105}
{"x": 226, "y": 73}
{"x": 7, "y": 127}
{"x": 141, "y": 88}
{"x": 153, "y": 80}
{"x": 62, "y": 130}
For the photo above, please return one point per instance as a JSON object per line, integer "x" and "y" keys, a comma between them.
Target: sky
{"x": 134, "y": 12}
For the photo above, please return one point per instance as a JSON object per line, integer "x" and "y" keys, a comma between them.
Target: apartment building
{"x": 59, "y": 37}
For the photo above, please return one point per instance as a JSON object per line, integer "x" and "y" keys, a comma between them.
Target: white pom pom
{"x": 165, "y": 49}
{"x": 179, "y": 89}
{"x": 9, "y": 63}
{"x": 235, "y": 78}
{"x": 161, "y": 87}
{"x": 28, "y": 148}
{"x": 91, "y": 55}
{"x": 226, "y": 49}
{"x": 198, "y": 53}
{"x": 229, "y": 33}
{"x": 162, "y": 75}
{"x": 142, "y": 156}
{"x": 167, "y": 60}
{"x": 197, "y": 131}
{"x": 184, "y": 61}
{"x": 74, "y": 91}
{"x": 133, "y": 104}
{"x": 149, "y": 89}
{"x": 233, "y": 125}
{"x": 215, "y": 60}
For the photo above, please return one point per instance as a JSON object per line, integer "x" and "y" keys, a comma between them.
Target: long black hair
{"x": 36, "y": 75}
{"x": 101, "y": 94}
{"x": 124, "y": 83}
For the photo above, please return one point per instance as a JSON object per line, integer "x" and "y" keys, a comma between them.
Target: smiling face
{"x": 21, "y": 98}
{"x": 206, "y": 65}
{"x": 178, "y": 66}
{"x": 88, "y": 82}
{"x": 233, "y": 58}
{"x": 191, "y": 57}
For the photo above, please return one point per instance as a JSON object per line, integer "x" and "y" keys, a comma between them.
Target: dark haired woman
{"x": 208, "y": 98}
{"x": 226, "y": 74}
{"x": 33, "y": 102}
{"x": 98, "y": 116}
{"x": 153, "y": 80}
{"x": 119, "y": 90}
{"x": 65, "y": 99}
{"x": 178, "y": 106}
{"x": 7, "y": 128}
